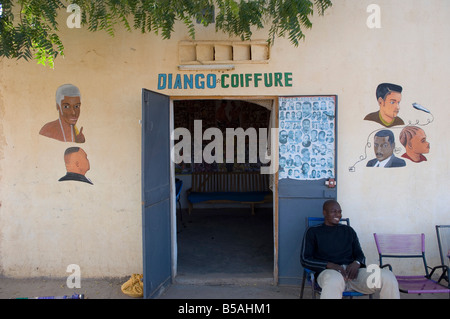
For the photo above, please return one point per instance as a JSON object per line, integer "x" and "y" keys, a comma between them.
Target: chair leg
{"x": 443, "y": 276}
{"x": 181, "y": 213}
{"x": 303, "y": 285}
{"x": 313, "y": 287}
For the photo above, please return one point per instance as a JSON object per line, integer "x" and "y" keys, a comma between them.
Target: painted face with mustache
{"x": 383, "y": 149}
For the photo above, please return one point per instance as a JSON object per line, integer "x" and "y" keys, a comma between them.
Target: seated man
{"x": 333, "y": 251}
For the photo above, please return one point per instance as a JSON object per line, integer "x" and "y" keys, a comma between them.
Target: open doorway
{"x": 223, "y": 239}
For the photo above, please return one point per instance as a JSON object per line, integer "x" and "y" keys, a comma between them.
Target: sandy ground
{"x": 109, "y": 288}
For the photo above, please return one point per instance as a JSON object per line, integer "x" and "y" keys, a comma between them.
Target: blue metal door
{"x": 156, "y": 213}
{"x": 301, "y": 189}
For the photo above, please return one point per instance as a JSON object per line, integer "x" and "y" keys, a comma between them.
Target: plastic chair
{"x": 443, "y": 237}
{"x": 178, "y": 187}
{"x": 410, "y": 246}
{"x": 310, "y": 276}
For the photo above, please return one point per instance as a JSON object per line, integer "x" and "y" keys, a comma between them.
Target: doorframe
{"x": 274, "y": 148}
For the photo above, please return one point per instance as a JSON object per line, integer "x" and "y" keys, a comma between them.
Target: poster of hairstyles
{"x": 307, "y": 137}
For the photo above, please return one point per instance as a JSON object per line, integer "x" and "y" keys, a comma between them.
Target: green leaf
{"x": 34, "y": 31}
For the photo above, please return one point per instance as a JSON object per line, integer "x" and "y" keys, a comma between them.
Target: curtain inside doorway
{"x": 233, "y": 113}
{"x": 270, "y": 105}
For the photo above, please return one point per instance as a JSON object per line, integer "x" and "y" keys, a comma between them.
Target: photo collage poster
{"x": 307, "y": 137}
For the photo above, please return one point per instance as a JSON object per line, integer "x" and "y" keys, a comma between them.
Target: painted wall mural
{"x": 414, "y": 139}
{"x": 307, "y": 137}
{"x": 383, "y": 146}
{"x": 68, "y": 105}
{"x": 389, "y": 97}
{"x": 77, "y": 164}
{"x": 64, "y": 129}
{"x": 383, "y": 141}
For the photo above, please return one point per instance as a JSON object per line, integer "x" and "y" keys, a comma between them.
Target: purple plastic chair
{"x": 410, "y": 246}
{"x": 443, "y": 237}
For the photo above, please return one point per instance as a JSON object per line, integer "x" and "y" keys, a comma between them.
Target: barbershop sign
{"x": 226, "y": 81}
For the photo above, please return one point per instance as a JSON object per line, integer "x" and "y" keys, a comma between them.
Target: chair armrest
{"x": 309, "y": 270}
{"x": 311, "y": 274}
{"x": 443, "y": 267}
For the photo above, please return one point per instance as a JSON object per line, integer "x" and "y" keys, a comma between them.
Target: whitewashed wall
{"x": 46, "y": 225}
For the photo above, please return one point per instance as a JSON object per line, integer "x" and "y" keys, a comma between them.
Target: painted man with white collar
{"x": 384, "y": 145}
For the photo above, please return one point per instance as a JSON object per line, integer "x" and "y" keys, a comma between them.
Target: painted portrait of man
{"x": 388, "y": 97}
{"x": 77, "y": 164}
{"x": 414, "y": 139}
{"x": 68, "y": 105}
{"x": 384, "y": 145}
